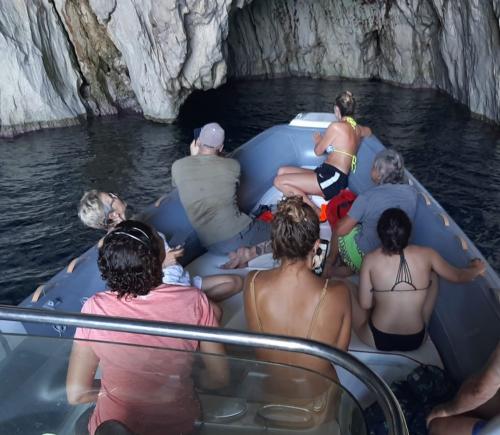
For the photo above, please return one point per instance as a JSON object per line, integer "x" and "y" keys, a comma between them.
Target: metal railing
{"x": 384, "y": 396}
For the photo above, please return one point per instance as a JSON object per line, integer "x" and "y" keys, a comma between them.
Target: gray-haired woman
{"x": 356, "y": 234}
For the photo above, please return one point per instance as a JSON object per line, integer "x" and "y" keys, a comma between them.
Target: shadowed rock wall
{"x": 451, "y": 45}
{"x": 64, "y": 59}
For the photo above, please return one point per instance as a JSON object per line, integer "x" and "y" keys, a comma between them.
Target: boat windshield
{"x": 153, "y": 390}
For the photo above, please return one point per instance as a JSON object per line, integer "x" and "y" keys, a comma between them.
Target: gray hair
{"x": 92, "y": 211}
{"x": 390, "y": 167}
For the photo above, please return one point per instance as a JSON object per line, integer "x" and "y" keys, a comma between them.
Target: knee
{"x": 282, "y": 170}
{"x": 278, "y": 182}
{"x": 237, "y": 283}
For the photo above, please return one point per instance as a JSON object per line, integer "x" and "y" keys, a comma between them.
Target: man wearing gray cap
{"x": 207, "y": 183}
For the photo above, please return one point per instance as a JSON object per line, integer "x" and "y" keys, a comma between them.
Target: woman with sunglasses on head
{"x": 105, "y": 210}
{"x": 149, "y": 389}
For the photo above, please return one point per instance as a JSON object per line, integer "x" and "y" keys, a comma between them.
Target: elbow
{"x": 365, "y": 306}
{"x": 74, "y": 398}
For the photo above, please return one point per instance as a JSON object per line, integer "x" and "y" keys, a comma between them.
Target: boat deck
{"x": 389, "y": 365}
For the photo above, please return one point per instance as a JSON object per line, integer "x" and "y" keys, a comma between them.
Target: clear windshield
{"x": 163, "y": 391}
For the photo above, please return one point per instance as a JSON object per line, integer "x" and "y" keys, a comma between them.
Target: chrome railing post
{"x": 386, "y": 399}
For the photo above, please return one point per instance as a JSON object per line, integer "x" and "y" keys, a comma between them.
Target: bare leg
{"x": 301, "y": 183}
{"x": 430, "y": 299}
{"x": 342, "y": 271}
{"x": 221, "y": 287}
{"x": 360, "y": 316}
{"x": 292, "y": 170}
{"x": 217, "y": 310}
{"x": 332, "y": 257}
{"x": 455, "y": 425}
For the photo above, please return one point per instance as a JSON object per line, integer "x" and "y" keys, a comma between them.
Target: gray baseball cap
{"x": 212, "y": 135}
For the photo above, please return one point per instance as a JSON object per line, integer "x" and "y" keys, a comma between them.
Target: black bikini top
{"x": 403, "y": 277}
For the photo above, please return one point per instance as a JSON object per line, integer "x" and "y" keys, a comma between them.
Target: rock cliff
{"x": 64, "y": 59}
{"x": 451, "y": 45}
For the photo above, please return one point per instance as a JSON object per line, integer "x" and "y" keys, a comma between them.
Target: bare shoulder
{"x": 371, "y": 258}
{"x": 337, "y": 289}
{"x": 332, "y": 129}
{"x": 421, "y": 251}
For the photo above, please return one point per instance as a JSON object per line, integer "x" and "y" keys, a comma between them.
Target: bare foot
{"x": 239, "y": 259}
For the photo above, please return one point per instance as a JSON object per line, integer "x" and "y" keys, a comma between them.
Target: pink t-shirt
{"x": 149, "y": 390}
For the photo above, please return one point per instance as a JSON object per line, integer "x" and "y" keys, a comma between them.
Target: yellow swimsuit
{"x": 331, "y": 149}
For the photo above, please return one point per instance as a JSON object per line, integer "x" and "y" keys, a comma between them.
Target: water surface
{"x": 43, "y": 174}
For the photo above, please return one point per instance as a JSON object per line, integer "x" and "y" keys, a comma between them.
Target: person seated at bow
{"x": 340, "y": 141}
{"x": 291, "y": 300}
{"x": 105, "y": 210}
{"x": 147, "y": 387}
{"x": 398, "y": 287}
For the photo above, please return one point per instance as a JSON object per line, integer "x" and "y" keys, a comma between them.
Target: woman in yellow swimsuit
{"x": 340, "y": 142}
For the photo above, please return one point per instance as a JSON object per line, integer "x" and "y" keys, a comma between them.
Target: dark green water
{"x": 43, "y": 174}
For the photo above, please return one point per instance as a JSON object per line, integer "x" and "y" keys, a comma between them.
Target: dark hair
{"x": 346, "y": 103}
{"x": 130, "y": 259}
{"x": 294, "y": 229}
{"x": 394, "y": 230}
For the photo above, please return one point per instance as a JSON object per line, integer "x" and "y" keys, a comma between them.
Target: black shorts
{"x": 331, "y": 180}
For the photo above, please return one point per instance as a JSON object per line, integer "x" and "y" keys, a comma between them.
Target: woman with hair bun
{"x": 340, "y": 143}
{"x": 147, "y": 387}
{"x": 398, "y": 286}
{"x": 291, "y": 300}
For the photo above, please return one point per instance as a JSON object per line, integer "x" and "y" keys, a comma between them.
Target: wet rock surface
{"x": 65, "y": 59}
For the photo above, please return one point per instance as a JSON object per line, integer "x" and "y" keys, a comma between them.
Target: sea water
{"x": 43, "y": 174}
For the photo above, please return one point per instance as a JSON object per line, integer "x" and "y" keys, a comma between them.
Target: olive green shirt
{"x": 207, "y": 187}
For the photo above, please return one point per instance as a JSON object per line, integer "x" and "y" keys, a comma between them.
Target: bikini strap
{"x": 350, "y": 120}
{"x": 252, "y": 290}
{"x": 404, "y": 274}
{"x": 316, "y": 310}
{"x": 354, "y": 160}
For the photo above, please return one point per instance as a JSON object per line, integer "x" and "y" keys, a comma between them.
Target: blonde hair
{"x": 92, "y": 211}
{"x": 294, "y": 229}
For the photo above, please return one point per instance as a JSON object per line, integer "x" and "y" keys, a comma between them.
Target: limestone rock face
{"x": 170, "y": 48}
{"x": 106, "y": 87}
{"x": 63, "y": 59}
{"x": 452, "y": 45}
{"x": 39, "y": 81}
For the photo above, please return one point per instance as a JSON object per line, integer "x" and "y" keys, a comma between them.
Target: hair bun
{"x": 292, "y": 209}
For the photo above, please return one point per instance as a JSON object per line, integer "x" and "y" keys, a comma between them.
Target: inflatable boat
{"x": 464, "y": 329}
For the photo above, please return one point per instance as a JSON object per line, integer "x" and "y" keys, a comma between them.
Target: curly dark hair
{"x": 394, "y": 230}
{"x": 346, "y": 103}
{"x": 130, "y": 259}
{"x": 294, "y": 229}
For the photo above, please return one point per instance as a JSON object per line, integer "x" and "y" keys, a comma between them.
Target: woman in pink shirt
{"x": 148, "y": 389}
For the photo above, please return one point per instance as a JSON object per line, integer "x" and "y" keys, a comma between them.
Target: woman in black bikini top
{"x": 394, "y": 318}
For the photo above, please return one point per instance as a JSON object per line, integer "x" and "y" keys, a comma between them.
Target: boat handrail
{"x": 384, "y": 396}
